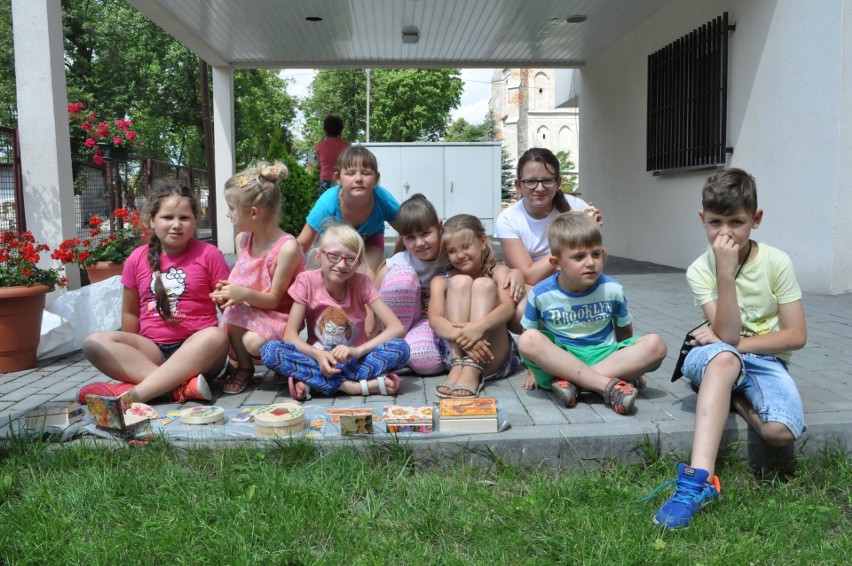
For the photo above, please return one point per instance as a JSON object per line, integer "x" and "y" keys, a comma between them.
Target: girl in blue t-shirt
{"x": 357, "y": 201}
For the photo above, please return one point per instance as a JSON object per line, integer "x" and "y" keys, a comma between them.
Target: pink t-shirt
{"x": 328, "y": 150}
{"x": 189, "y": 278}
{"x": 331, "y": 322}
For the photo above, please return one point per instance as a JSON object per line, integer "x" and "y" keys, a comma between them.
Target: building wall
{"x": 523, "y": 103}
{"x": 788, "y": 120}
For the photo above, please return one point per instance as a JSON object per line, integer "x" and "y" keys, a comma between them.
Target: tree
{"x": 121, "y": 65}
{"x": 405, "y": 104}
{"x": 566, "y": 171}
{"x": 414, "y": 104}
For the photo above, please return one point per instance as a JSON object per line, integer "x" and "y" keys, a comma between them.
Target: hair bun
{"x": 274, "y": 172}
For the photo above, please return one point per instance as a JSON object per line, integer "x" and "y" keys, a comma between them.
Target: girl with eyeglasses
{"x": 522, "y": 227}
{"x": 254, "y": 298}
{"x": 333, "y": 301}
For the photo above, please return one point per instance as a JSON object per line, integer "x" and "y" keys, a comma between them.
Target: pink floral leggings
{"x": 400, "y": 290}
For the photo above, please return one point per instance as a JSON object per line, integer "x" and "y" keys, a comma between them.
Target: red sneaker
{"x": 196, "y": 389}
{"x": 114, "y": 389}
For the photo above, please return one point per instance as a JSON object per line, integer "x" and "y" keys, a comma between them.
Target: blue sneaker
{"x": 693, "y": 492}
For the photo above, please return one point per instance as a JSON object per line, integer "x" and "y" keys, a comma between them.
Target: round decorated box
{"x": 279, "y": 419}
{"x": 203, "y": 415}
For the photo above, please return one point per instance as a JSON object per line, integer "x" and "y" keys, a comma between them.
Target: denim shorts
{"x": 168, "y": 349}
{"x": 764, "y": 382}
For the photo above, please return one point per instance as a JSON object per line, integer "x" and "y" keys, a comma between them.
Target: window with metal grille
{"x": 687, "y": 100}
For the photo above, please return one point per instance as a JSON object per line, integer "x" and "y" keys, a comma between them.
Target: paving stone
{"x": 542, "y": 431}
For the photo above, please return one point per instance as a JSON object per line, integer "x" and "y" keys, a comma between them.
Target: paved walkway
{"x": 543, "y": 433}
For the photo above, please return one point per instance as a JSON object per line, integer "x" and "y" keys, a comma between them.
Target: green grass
{"x": 297, "y": 504}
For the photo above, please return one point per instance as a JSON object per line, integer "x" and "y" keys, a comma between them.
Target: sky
{"x": 474, "y": 100}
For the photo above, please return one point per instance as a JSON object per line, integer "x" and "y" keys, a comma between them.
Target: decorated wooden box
{"x": 402, "y": 419}
{"x": 211, "y": 414}
{"x": 468, "y": 415}
{"x": 353, "y": 421}
{"x": 107, "y": 414}
{"x": 279, "y": 420}
{"x": 53, "y": 414}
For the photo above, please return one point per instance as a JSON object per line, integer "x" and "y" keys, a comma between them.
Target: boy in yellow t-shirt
{"x": 750, "y": 297}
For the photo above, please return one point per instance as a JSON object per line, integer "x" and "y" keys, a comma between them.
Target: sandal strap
{"x": 365, "y": 389}
{"x": 469, "y": 362}
{"x": 383, "y": 389}
{"x": 455, "y": 362}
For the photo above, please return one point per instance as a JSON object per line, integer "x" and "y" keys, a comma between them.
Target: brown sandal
{"x": 237, "y": 382}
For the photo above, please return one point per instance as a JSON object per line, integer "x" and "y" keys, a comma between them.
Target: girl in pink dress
{"x": 254, "y": 297}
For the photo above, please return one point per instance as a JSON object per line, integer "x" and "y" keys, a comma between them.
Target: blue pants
{"x": 285, "y": 359}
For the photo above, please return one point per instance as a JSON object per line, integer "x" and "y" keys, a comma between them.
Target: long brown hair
{"x": 152, "y": 206}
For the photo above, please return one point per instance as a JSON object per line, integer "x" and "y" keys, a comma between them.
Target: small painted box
{"x": 402, "y": 419}
{"x": 468, "y": 415}
{"x": 107, "y": 414}
{"x": 356, "y": 424}
{"x": 53, "y": 414}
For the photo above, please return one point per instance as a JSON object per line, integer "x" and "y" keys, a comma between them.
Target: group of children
{"x": 442, "y": 302}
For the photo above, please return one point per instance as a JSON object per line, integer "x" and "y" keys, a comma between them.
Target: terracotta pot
{"x": 101, "y": 270}
{"x": 21, "y": 310}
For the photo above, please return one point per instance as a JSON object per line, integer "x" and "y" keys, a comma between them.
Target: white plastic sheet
{"x": 76, "y": 314}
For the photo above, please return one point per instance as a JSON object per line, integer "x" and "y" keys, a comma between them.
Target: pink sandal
{"x": 291, "y": 385}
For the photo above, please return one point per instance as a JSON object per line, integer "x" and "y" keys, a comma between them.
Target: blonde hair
{"x": 258, "y": 186}
{"x": 573, "y": 229}
{"x": 346, "y": 235}
{"x": 465, "y": 225}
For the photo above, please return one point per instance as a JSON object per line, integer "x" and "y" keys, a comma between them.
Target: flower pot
{"x": 101, "y": 270}
{"x": 21, "y": 310}
{"x": 112, "y": 152}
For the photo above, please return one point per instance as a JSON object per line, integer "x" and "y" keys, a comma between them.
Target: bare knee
{"x": 777, "y": 434}
{"x": 531, "y": 342}
{"x": 95, "y": 344}
{"x": 654, "y": 345}
{"x": 484, "y": 285}
{"x": 724, "y": 364}
{"x": 460, "y": 284}
{"x": 252, "y": 342}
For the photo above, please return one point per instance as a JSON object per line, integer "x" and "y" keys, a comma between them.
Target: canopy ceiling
{"x": 369, "y": 33}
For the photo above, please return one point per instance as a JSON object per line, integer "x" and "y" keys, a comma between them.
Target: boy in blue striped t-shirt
{"x": 578, "y": 331}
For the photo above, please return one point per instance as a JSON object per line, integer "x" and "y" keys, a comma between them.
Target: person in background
{"x": 328, "y": 150}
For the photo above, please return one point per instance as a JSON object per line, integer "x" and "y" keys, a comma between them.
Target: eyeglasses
{"x": 335, "y": 258}
{"x": 546, "y": 182}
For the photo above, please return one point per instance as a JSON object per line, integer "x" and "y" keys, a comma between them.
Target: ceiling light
{"x": 410, "y": 34}
{"x": 576, "y": 19}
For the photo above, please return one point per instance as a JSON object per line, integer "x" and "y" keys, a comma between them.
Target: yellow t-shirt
{"x": 765, "y": 282}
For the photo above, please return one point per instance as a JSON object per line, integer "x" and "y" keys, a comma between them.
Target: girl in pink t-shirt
{"x": 169, "y": 335}
{"x": 254, "y": 297}
{"x": 333, "y": 300}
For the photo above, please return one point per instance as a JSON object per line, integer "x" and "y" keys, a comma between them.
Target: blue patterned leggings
{"x": 285, "y": 359}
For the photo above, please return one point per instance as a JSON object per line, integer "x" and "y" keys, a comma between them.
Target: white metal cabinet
{"x": 456, "y": 177}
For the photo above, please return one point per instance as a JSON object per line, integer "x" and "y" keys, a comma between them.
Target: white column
{"x": 43, "y": 123}
{"x": 225, "y": 154}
